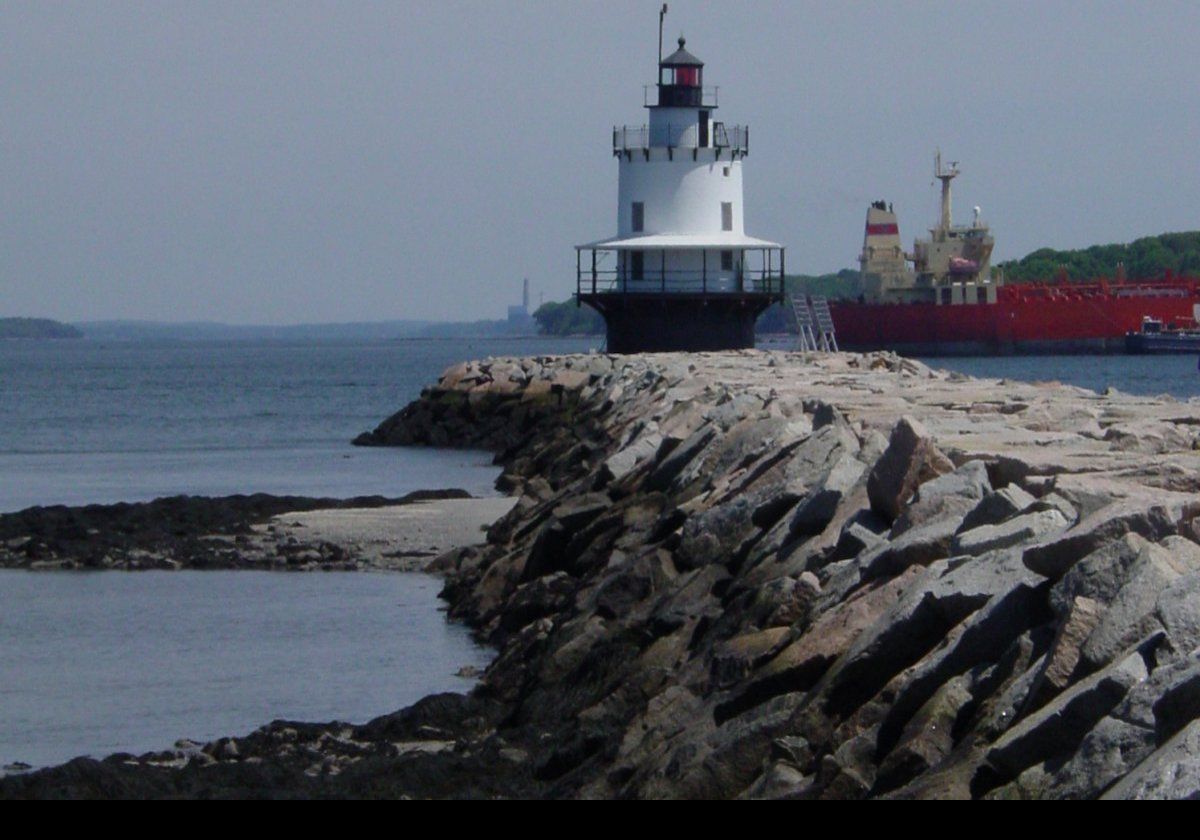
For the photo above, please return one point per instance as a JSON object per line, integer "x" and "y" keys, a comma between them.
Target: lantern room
{"x": 680, "y": 79}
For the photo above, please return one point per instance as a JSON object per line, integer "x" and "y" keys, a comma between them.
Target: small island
{"x": 36, "y": 328}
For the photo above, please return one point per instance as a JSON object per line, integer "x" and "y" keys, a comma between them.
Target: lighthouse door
{"x": 703, "y": 144}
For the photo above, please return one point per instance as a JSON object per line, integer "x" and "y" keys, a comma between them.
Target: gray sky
{"x": 286, "y": 162}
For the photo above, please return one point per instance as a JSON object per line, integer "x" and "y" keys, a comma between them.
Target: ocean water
{"x": 1167, "y": 375}
{"x": 96, "y": 421}
{"x": 95, "y": 663}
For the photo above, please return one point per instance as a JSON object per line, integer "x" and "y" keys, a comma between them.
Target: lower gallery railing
{"x": 592, "y": 279}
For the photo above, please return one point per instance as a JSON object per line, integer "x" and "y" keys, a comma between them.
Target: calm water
{"x": 103, "y": 662}
{"x": 1146, "y": 375}
{"x": 89, "y": 421}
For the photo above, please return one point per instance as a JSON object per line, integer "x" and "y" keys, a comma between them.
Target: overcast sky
{"x": 289, "y": 162}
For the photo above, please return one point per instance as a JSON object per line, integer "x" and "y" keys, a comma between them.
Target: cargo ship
{"x": 943, "y": 299}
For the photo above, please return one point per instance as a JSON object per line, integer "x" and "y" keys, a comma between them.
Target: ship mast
{"x": 945, "y": 176}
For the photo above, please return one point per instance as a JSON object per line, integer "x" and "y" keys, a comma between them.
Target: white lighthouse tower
{"x": 681, "y": 273}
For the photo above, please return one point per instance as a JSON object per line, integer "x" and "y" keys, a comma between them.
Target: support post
{"x": 782, "y": 273}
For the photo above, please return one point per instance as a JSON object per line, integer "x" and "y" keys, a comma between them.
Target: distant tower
{"x": 519, "y": 318}
{"x": 681, "y": 274}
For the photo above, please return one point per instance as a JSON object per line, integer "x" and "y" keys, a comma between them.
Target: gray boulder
{"x": 910, "y": 459}
{"x": 1170, "y": 772}
{"x": 953, "y": 494}
{"x": 1132, "y": 613}
{"x": 1056, "y": 730}
{"x": 1178, "y": 610}
{"x": 1063, "y": 658}
{"x": 998, "y": 506}
{"x": 1150, "y": 518}
{"x": 1019, "y": 530}
{"x": 780, "y": 780}
{"x": 820, "y": 506}
{"x": 669, "y": 468}
{"x": 637, "y": 452}
{"x": 1107, "y": 752}
{"x": 1100, "y": 575}
{"x": 919, "y": 546}
{"x": 942, "y": 596}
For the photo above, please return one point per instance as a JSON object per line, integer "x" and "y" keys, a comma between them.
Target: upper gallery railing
{"x": 627, "y": 138}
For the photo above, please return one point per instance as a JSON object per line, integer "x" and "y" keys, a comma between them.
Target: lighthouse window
{"x": 725, "y": 171}
{"x": 639, "y": 216}
{"x": 727, "y": 260}
{"x": 726, "y": 215}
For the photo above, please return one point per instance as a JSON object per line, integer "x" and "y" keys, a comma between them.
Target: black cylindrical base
{"x": 660, "y": 324}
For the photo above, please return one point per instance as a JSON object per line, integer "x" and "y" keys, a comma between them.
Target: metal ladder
{"x": 814, "y": 324}
{"x": 821, "y": 314}
{"x": 806, "y": 339}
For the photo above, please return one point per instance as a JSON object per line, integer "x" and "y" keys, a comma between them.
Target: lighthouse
{"x": 681, "y": 273}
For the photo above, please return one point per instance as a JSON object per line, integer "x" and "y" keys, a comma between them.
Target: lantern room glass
{"x": 680, "y": 76}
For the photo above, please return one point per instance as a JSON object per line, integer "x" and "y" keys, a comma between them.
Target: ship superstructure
{"x": 952, "y": 266}
{"x": 942, "y": 298}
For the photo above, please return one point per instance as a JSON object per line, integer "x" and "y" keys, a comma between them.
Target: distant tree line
{"x": 1147, "y": 258}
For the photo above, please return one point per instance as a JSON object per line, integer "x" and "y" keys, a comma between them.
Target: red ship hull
{"x": 1025, "y": 319}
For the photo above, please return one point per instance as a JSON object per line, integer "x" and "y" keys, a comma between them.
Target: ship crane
{"x": 945, "y": 176}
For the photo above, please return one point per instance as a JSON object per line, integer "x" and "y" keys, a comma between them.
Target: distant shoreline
{"x": 36, "y": 328}
{"x": 122, "y": 330}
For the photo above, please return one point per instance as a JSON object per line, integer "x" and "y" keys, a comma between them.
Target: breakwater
{"x": 769, "y": 575}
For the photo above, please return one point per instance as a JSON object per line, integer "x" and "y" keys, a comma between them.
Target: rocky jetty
{"x": 768, "y": 575}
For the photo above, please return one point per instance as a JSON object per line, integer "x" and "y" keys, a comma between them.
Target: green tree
{"x": 568, "y": 318}
{"x": 1147, "y": 258}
